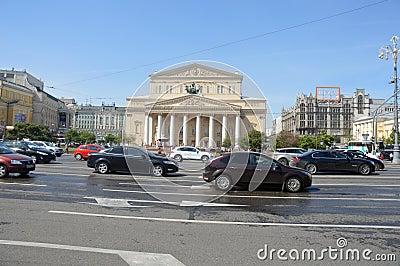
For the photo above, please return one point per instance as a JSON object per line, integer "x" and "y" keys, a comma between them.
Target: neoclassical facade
{"x": 194, "y": 105}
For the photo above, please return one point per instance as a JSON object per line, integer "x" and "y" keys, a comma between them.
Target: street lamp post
{"x": 384, "y": 53}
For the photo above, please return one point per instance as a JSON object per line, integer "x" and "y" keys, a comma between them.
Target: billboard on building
{"x": 327, "y": 94}
{"x": 20, "y": 118}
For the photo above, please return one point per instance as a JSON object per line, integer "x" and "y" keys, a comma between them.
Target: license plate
{"x": 30, "y": 166}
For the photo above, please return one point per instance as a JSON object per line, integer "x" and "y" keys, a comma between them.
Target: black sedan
{"x": 129, "y": 159}
{"x": 254, "y": 169}
{"x": 332, "y": 161}
{"x": 31, "y": 149}
{"x": 379, "y": 165}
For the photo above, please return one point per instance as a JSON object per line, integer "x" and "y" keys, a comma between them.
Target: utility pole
{"x": 384, "y": 53}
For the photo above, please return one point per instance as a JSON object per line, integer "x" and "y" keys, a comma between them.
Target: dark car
{"x": 129, "y": 159}
{"x": 386, "y": 155}
{"x": 254, "y": 169}
{"x": 379, "y": 165}
{"x": 12, "y": 162}
{"x": 31, "y": 149}
{"x": 332, "y": 161}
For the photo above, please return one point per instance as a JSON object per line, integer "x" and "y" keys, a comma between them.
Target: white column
{"x": 172, "y": 130}
{"x": 211, "y": 132}
{"x": 237, "y": 131}
{"x": 159, "y": 126}
{"x": 224, "y": 127}
{"x": 146, "y": 130}
{"x": 150, "y": 135}
{"x": 198, "y": 130}
{"x": 184, "y": 129}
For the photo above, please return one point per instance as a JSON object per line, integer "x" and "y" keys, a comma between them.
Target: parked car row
{"x": 37, "y": 153}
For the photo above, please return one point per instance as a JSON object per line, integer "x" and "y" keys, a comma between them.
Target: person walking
{"x": 66, "y": 147}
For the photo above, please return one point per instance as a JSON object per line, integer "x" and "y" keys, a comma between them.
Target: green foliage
{"x": 30, "y": 131}
{"x": 285, "y": 139}
{"x": 307, "y": 142}
{"x": 110, "y": 138}
{"x": 87, "y": 137}
{"x": 227, "y": 143}
{"x": 253, "y": 140}
{"x": 390, "y": 139}
{"x": 72, "y": 135}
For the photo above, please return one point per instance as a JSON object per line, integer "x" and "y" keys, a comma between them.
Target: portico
{"x": 195, "y": 105}
{"x": 192, "y": 120}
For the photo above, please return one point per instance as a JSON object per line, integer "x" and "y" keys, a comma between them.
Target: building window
{"x": 360, "y": 104}
{"x": 218, "y": 89}
{"x": 208, "y": 89}
{"x": 159, "y": 89}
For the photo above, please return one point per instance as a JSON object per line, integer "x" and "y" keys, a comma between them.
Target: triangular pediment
{"x": 192, "y": 102}
{"x": 195, "y": 70}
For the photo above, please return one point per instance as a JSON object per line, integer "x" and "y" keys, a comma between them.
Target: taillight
{"x": 295, "y": 160}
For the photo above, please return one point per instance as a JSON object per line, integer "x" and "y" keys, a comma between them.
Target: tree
{"x": 227, "y": 143}
{"x": 286, "y": 139}
{"x": 30, "y": 131}
{"x": 307, "y": 142}
{"x": 253, "y": 140}
{"x": 72, "y": 136}
{"x": 390, "y": 139}
{"x": 87, "y": 137}
{"x": 110, "y": 138}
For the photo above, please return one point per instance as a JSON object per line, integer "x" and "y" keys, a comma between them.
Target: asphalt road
{"x": 65, "y": 214}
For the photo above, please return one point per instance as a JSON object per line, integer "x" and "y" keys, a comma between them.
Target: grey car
{"x": 285, "y": 155}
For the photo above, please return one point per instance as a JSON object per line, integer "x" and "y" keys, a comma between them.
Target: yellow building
{"x": 16, "y": 103}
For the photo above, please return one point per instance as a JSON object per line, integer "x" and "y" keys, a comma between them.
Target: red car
{"x": 82, "y": 152}
{"x": 11, "y": 162}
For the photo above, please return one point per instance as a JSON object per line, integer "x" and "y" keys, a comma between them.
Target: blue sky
{"x": 106, "y": 49}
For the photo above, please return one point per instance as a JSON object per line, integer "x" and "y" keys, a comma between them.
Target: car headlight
{"x": 15, "y": 162}
{"x": 41, "y": 153}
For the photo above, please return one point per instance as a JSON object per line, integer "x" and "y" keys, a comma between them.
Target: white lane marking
{"x": 205, "y": 186}
{"x": 116, "y": 203}
{"x": 130, "y": 257}
{"x": 23, "y": 184}
{"x": 357, "y": 185}
{"x": 228, "y": 222}
{"x": 181, "y": 203}
{"x": 248, "y": 196}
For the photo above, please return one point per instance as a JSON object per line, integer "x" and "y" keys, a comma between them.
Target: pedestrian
{"x": 66, "y": 147}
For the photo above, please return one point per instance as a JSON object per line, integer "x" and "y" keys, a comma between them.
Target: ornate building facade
{"x": 195, "y": 105}
{"x": 99, "y": 120}
{"x": 309, "y": 116}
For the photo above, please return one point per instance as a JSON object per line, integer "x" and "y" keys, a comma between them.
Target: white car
{"x": 49, "y": 146}
{"x": 187, "y": 152}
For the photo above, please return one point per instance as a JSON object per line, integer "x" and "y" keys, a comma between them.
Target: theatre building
{"x": 194, "y": 105}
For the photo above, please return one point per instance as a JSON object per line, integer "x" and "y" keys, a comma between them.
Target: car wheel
{"x": 293, "y": 184}
{"x": 178, "y": 158}
{"x": 158, "y": 170}
{"x": 283, "y": 161}
{"x": 204, "y": 158}
{"x": 311, "y": 168}
{"x": 102, "y": 167}
{"x": 78, "y": 157}
{"x": 3, "y": 171}
{"x": 364, "y": 169}
{"x": 223, "y": 183}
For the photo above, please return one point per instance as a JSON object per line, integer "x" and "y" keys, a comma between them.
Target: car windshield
{"x": 5, "y": 150}
{"x": 32, "y": 145}
{"x": 49, "y": 144}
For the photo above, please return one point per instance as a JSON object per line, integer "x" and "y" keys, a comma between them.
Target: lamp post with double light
{"x": 384, "y": 53}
